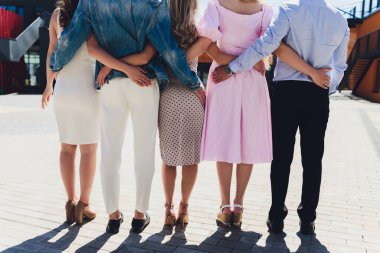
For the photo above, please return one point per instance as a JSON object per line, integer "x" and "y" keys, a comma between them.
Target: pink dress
{"x": 237, "y": 126}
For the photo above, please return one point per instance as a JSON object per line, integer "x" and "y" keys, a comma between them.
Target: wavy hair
{"x": 182, "y": 14}
{"x": 67, "y": 9}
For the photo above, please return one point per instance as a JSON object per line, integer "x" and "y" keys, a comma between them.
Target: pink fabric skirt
{"x": 237, "y": 127}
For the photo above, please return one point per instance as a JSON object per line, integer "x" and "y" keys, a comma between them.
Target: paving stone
{"x": 213, "y": 248}
{"x": 185, "y": 250}
{"x": 32, "y": 195}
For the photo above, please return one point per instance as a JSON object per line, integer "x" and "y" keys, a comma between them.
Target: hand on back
{"x": 103, "y": 73}
{"x": 201, "y": 94}
{"x": 261, "y": 67}
{"x": 321, "y": 79}
{"x": 136, "y": 74}
{"x": 220, "y": 75}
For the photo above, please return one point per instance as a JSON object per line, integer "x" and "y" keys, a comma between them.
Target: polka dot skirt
{"x": 181, "y": 119}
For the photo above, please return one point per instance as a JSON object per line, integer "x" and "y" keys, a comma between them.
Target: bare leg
{"x": 67, "y": 166}
{"x": 225, "y": 176}
{"x": 87, "y": 170}
{"x": 243, "y": 174}
{"x": 189, "y": 176}
{"x": 169, "y": 174}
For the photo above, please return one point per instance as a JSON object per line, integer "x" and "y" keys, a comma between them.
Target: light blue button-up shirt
{"x": 314, "y": 29}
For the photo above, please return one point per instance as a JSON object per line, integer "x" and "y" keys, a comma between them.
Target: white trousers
{"x": 119, "y": 99}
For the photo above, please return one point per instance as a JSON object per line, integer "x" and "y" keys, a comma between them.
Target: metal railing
{"x": 366, "y": 8}
{"x": 14, "y": 49}
{"x": 367, "y": 47}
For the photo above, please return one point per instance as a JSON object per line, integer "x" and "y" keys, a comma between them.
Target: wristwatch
{"x": 228, "y": 70}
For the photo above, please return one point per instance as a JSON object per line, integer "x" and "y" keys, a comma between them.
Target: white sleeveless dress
{"x": 76, "y": 101}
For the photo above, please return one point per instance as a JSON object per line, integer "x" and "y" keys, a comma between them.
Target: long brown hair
{"x": 67, "y": 9}
{"x": 182, "y": 14}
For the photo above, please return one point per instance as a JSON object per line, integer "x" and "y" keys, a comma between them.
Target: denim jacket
{"x": 123, "y": 27}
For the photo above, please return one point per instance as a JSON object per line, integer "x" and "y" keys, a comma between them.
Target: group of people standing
{"x": 147, "y": 53}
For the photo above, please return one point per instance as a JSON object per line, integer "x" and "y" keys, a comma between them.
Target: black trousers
{"x": 304, "y": 106}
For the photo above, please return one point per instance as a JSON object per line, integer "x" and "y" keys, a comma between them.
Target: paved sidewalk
{"x": 32, "y": 197}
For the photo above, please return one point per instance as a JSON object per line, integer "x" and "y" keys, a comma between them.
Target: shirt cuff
{"x": 234, "y": 66}
{"x": 336, "y": 79}
{"x": 245, "y": 61}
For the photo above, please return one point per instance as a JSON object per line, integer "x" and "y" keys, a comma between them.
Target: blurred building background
{"x": 24, "y": 41}
{"x": 363, "y": 73}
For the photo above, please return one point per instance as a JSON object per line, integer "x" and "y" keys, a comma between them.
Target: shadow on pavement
{"x": 310, "y": 244}
{"x": 224, "y": 240}
{"x": 42, "y": 243}
{"x": 275, "y": 243}
{"x": 130, "y": 244}
{"x": 157, "y": 242}
{"x": 95, "y": 244}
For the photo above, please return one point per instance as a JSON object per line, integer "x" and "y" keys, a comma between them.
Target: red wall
{"x": 12, "y": 74}
{"x": 367, "y": 85}
{"x": 369, "y": 25}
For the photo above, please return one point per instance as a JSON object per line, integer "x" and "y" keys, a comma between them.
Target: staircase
{"x": 358, "y": 71}
{"x": 13, "y": 49}
{"x": 361, "y": 11}
{"x": 366, "y": 50}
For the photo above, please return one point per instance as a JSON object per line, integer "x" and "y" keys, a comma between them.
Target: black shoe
{"x": 114, "y": 225}
{"x": 138, "y": 225}
{"x": 307, "y": 228}
{"x": 276, "y": 227}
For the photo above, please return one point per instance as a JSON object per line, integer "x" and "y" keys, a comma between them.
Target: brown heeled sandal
{"x": 224, "y": 219}
{"x": 70, "y": 212}
{"x": 83, "y": 212}
{"x": 170, "y": 219}
{"x": 237, "y": 218}
{"x": 183, "y": 217}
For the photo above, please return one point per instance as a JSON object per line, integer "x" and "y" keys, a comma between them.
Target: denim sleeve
{"x": 72, "y": 37}
{"x": 160, "y": 35}
{"x": 339, "y": 62}
{"x": 263, "y": 46}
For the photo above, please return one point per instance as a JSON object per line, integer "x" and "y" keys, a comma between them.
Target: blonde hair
{"x": 182, "y": 14}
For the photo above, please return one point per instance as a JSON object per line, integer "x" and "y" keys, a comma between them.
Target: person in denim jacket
{"x": 122, "y": 28}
